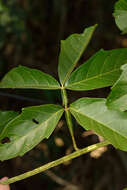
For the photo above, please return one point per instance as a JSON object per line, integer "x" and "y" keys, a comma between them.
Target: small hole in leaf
{"x": 5, "y": 140}
{"x": 35, "y": 121}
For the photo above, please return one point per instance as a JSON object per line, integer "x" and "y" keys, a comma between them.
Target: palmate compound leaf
{"x": 6, "y": 117}
{"x": 23, "y": 77}
{"x": 71, "y": 51}
{"x": 92, "y": 113}
{"x": 100, "y": 71}
{"x": 120, "y": 14}
{"x": 28, "y": 129}
{"x": 117, "y": 98}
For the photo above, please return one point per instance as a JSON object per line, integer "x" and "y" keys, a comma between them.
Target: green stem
{"x": 64, "y": 97}
{"x": 55, "y": 163}
{"x": 68, "y": 117}
{"x": 70, "y": 126}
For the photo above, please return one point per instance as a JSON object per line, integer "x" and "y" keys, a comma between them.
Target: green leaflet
{"x": 101, "y": 70}
{"x": 92, "y": 113}
{"x": 120, "y": 14}
{"x": 6, "y": 117}
{"x": 23, "y": 77}
{"x": 71, "y": 51}
{"x": 117, "y": 99}
{"x": 28, "y": 129}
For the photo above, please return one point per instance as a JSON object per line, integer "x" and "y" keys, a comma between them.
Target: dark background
{"x": 30, "y": 34}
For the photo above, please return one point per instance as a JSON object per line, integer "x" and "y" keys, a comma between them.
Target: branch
{"x": 55, "y": 163}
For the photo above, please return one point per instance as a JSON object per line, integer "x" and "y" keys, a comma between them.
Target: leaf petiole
{"x": 68, "y": 116}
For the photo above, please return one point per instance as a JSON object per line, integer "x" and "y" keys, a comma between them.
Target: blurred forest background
{"x": 30, "y": 34}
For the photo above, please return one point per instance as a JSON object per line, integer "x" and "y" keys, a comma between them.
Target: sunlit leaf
{"x": 71, "y": 51}
{"x": 28, "y": 129}
{"x": 92, "y": 113}
{"x": 23, "y": 77}
{"x": 101, "y": 70}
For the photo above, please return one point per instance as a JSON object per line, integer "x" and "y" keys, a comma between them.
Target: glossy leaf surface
{"x": 28, "y": 129}
{"x": 117, "y": 99}
{"x": 71, "y": 51}
{"x": 5, "y": 117}
{"x": 101, "y": 70}
{"x": 23, "y": 77}
{"x": 120, "y": 14}
{"x": 92, "y": 113}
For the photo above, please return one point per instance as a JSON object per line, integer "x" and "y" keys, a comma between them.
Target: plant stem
{"x": 64, "y": 97}
{"x": 68, "y": 117}
{"x": 70, "y": 126}
{"x": 55, "y": 163}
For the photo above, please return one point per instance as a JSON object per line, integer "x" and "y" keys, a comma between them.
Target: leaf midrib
{"x": 32, "y": 86}
{"x": 97, "y": 76}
